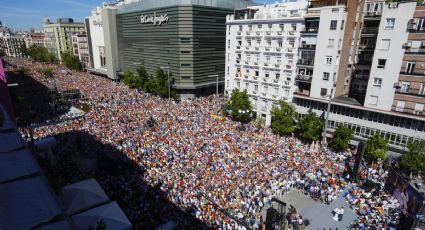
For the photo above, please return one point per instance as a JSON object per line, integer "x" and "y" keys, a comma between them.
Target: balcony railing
{"x": 414, "y": 73}
{"x": 305, "y": 62}
{"x": 411, "y": 91}
{"x": 306, "y": 78}
{"x": 310, "y": 30}
{"x": 308, "y": 46}
{"x": 373, "y": 14}
{"x": 278, "y": 49}
{"x": 370, "y": 31}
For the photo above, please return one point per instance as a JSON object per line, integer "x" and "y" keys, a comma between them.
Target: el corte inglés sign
{"x": 156, "y": 20}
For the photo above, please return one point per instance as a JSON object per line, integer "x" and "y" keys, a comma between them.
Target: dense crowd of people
{"x": 198, "y": 161}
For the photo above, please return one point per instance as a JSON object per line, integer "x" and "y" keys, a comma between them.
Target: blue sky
{"x": 26, "y": 14}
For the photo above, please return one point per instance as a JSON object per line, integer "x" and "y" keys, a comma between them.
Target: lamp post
{"x": 168, "y": 79}
{"x": 327, "y": 115}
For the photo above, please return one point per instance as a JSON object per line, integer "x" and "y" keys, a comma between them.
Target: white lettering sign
{"x": 156, "y": 20}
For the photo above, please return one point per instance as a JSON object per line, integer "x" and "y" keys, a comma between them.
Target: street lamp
{"x": 327, "y": 115}
{"x": 168, "y": 79}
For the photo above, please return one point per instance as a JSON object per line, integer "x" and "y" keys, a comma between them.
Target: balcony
{"x": 303, "y": 78}
{"x": 278, "y": 49}
{"x": 415, "y": 51}
{"x": 308, "y": 46}
{"x": 267, "y": 49}
{"x": 248, "y": 32}
{"x": 310, "y": 30}
{"x": 361, "y": 77}
{"x": 373, "y": 14}
{"x": 309, "y": 62}
{"x": 258, "y": 33}
{"x": 279, "y": 32}
{"x": 276, "y": 80}
{"x": 255, "y": 77}
{"x": 366, "y": 47}
{"x": 238, "y": 47}
{"x": 367, "y": 30}
{"x": 239, "y": 33}
{"x": 274, "y": 96}
{"x": 291, "y": 33}
{"x": 266, "y": 64}
{"x": 414, "y": 73}
{"x": 268, "y": 33}
{"x": 410, "y": 91}
{"x": 257, "y": 48}
{"x": 277, "y": 65}
{"x": 290, "y": 50}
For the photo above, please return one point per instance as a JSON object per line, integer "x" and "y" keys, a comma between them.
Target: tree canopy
{"x": 310, "y": 127}
{"x": 131, "y": 80}
{"x": 283, "y": 118}
{"x": 376, "y": 148}
{"x": 71, "y": 61}
{"x": 342, "y": 137}
{"x": 414, "y": 160}
{"x": 40, "y": 54}
{"x": 239, "y": 105}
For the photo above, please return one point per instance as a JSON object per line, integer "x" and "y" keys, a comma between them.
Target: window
{"x": 385, "y": 44}
{"x": 257, "y": 73}
{"x": 422, "y": 89}
{"x": 185, "y": 40}
{"x": 377, "y": 82}
{"x": 279, "y": 42}
{"x": 419, "y": 108}
{"x": 276, "y": 90}
{"x": 333, "y": 24}
{"x": 240, "y": 28}
{"x": 400, "y": 106}
{"x": 389, "y": 23}
{"x": 323, "y": 91}
{"x": 293, "y": 27}
{"x": 260, "y": 26}
{"x": 185, "y": 65}
{"x": 266, "y": 88}
{"x": 405, "y": 86}
{"x": 267, "y": 75}
{"x": 238, "y": 84}
{"x": 342, "y": 24}
{"x": 277, "y": 76}
{"x": 381, "y": 63}
{"x": 330, "y": 42}
{"x": 247, "y": 86}
{"x": 410, "y": 67}
{"x": 326, "y": 76}
{"x": 255, "y": 88}
{"x": 185, "y": 52}
{"x": 373, "y": 100}
{"x": 421, "y": 24}
{"x": 286, "y": 92}
{"x": 328, "y": 60}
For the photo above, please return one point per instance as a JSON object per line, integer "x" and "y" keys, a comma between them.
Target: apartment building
{"x": 34, "y": 38}
{"x": 11, "y": 43}
{"x": 58, "y": 36}
{"x": 262, "y": 50}
{"x": 369, "y": 70}
{"x": 80, "y": 48}
{"x": 410, "y": 88}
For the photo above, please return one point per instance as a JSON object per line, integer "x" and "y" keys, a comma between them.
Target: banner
{"x": 409, "y": 198}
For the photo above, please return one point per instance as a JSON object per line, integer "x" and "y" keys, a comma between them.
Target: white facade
{"x": 261, "y": 53}
{"x": 388, "y": 55}
{"x": 11, "y": 43}
{"x": 329, "y": 42}
{"x": 97, "y": 39}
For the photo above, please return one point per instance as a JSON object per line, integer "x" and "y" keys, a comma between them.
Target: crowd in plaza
{"x": 201, "y": 163}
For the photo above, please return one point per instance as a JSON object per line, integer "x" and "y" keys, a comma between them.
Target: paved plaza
{"x": 318, "y": 213}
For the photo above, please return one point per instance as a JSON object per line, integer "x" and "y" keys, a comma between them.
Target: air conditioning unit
{"x": 393, "y": 5}
{"x": 407, "y": 45}
{"x": 412, "y": 26}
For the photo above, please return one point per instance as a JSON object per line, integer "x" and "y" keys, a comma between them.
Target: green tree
{"x": 71, "y": 62}
{"x": 24, "y": 50}
{"x": 283, "y": 118}
{"x": 414, "y": 160}
{"x": 376, "y": 147}
{"x": 240, "y": 106}
{"x": 143, "y": 76}
{"x": 342, "y": 137}
{"x": 41, "y": 54}
{"x": 47, "y": 72}
{"x": 260, "y": 122}
{"x": 310, "y": 127}
{"x": 132, "y": 80}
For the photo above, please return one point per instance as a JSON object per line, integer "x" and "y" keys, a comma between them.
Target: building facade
{"x": 35, "y": 38}
{"x": 262, "y": 50}
{"x": 186, "y": 40}
{"x": 410, "y": 88}
{"x": 96, "y": 41}
{"x": 58, "y": 36}
{"x": 11, "y": 43}
{"x": 80, "y": 48}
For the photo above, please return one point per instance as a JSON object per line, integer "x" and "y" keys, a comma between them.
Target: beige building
{"x": 58, "y": 36}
